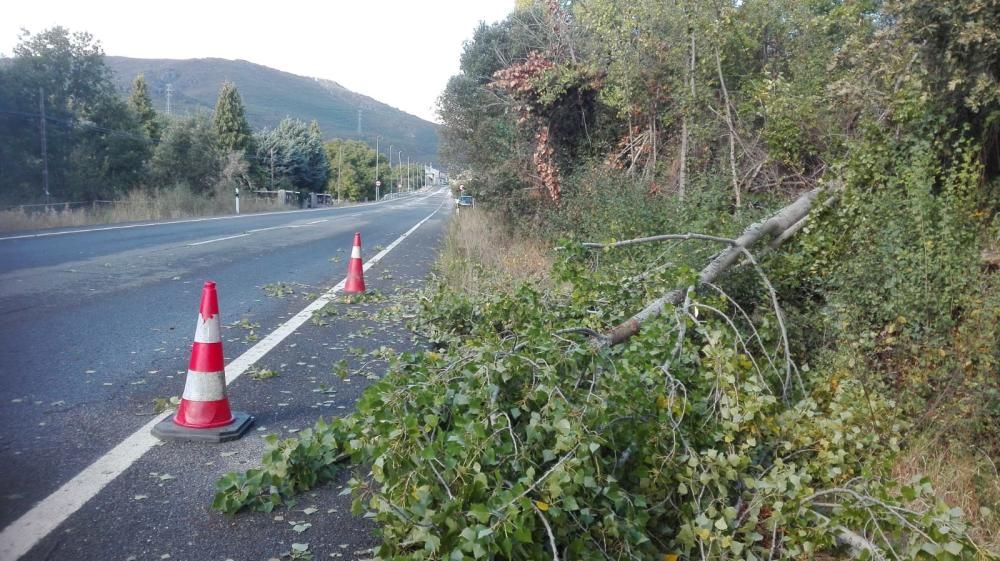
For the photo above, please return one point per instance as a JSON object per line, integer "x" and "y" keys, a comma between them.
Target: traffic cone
{"x": 204, "y": 413}
{"x": 355, "y": 270}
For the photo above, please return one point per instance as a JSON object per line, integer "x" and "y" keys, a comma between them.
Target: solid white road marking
{"x": 22, "y": 534}
{"x": 151, "y": 224}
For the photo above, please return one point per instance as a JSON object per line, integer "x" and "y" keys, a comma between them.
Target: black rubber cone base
{"x": 167, "y": 429}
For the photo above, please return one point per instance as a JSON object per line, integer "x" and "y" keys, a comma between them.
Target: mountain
{"x": 270, "y": 95}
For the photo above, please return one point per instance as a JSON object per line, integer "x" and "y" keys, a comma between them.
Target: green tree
{"x": 142, "y": 106}
{"x": 480, "y": 134}
{"x": 352, "y": 170}
{"x": 293, "y": 154}
{"x": 231, "y": 122}
{"x": 87, "y": 129}
{"x": 188, "y": 154}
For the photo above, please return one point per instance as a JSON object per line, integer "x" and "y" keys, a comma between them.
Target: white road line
{"x": 218, "y": 240}
{"x": 21, "y": 535}
{"x": 286, "y": 226}
{"x": 151, "y": 224}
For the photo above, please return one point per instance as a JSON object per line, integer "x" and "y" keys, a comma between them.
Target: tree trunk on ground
{"x": 785, "y": 219}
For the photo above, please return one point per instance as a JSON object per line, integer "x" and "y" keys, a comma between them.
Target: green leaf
{"x": 480, "y": 513}
{"x": 953, "y": 548}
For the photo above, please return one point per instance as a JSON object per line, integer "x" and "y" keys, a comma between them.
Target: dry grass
{"x": 138, "y": 206}
{"x": 481, "y": 254}
{"x": 961, "y": 477}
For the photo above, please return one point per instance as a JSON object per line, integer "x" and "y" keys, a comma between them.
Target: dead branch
{"x": 664, "y": 237}
{"x": 773, "y": 227}
{"x": 794, "y": 228}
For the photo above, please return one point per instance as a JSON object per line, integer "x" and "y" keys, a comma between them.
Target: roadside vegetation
{"x": 166, "y": 204}
{"x": 823, "y": 389}
{"x": 75, "y": 151}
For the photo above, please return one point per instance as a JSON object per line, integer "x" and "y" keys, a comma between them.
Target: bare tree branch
{"x": 770, "y": 228}
{"x": 664, "y": 237}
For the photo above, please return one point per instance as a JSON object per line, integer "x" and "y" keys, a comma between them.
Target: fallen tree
{"x": 779, "y": 227}
{"x": 517, "y": 439}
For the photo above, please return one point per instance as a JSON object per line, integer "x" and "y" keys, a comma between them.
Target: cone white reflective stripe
{"x": 205, "y": 386}
{"x": 356, "y": 252}
{"x": 207, "y": 331}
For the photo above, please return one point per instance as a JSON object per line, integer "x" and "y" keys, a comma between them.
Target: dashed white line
{"x": 218, "y": 239}
{"x": 21, "y": 535}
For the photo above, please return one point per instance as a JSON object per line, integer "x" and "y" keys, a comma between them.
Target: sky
{"x": 400, "y": 52}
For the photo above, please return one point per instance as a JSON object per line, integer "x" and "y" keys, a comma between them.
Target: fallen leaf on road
{"x": 140, "y": 497}
{"x": 310, "y": 510}
{"x": 301, "y": 527}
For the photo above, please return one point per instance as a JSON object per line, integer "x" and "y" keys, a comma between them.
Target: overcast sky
{"x": 407, "y": 66}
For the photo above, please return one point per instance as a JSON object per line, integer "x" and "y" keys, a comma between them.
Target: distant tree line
{"x": 96, "y": 145}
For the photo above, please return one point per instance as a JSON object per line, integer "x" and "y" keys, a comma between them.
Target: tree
{"x": 142, "y": 106}
{"x": 230, "y": 120}
{"x": 87, "y": 129}
{"x": 479, "y": 132}
{"x": 352, "y": 173}
{"x": 189, "y": 155}
{"x": 294, "y": 152}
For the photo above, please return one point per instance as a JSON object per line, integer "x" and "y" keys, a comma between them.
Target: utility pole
{"x": 359, "y": 123}
{"x": 408, "y": 174}
{"x": 45, "y": 144}
{"x": 377, "y": 138}
{"x": 170, "y": 93}
{"x": 340, "y": 170}
{"x": 390, "y": 168}
{"x": 272, "y": 168}
{"x": 399, "y": 166}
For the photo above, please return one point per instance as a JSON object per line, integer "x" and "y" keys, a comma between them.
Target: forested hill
{"x": 270, "y": 95}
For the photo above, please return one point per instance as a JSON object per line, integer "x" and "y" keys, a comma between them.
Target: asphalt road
{"x": 96, "y": 324}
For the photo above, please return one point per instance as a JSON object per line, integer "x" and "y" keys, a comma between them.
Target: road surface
{"x": 96, "y": 325}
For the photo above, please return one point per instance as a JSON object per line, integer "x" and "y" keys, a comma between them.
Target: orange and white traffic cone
{"x": 355, "y": 269}
{"x": 204, "y": 413}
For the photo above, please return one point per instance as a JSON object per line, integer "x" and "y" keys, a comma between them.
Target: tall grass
{"x": 483, "y": 254}
{"x": 963, "y": 477}
{"x": 139, "y": 206}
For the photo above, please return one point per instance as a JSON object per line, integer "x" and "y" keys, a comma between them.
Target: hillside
{"x": 270, "y": 95}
